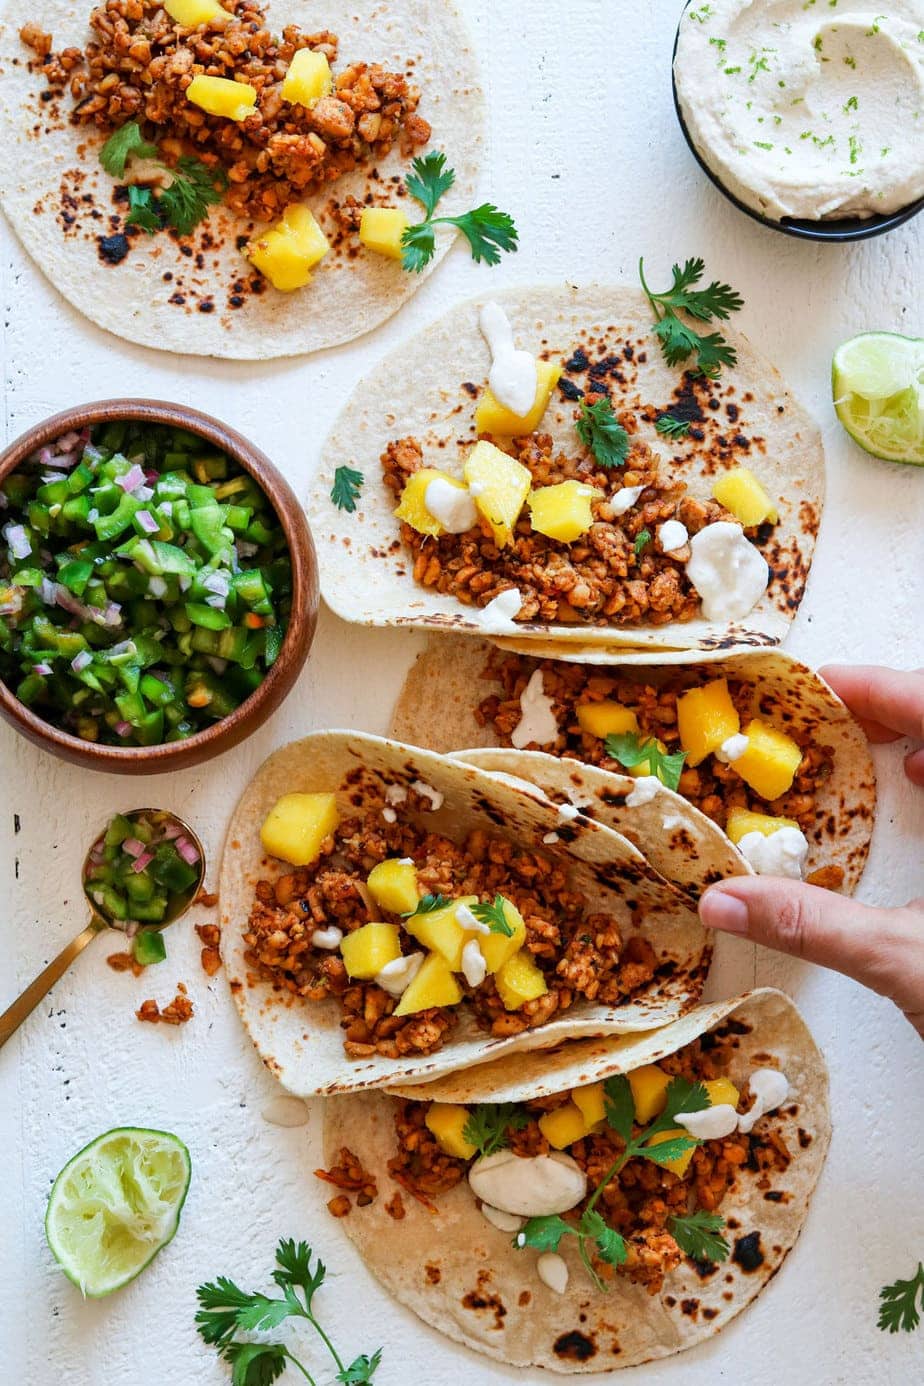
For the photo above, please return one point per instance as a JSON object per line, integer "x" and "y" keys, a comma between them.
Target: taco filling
{"x": 596, "y": 532}
{"x": 633, "y": 1171}
{"x": 404, "y": 926}
{"x": 757, "y": 776}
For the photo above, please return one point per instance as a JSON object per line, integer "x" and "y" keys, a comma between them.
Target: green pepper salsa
{"x": 145, "y": 584}
{"x": 144, "y": 871}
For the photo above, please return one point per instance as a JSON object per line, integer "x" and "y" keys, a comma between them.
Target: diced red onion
{"x": 93, "y": 515}
{"x": 4, "y": 503}
{"x": 217, "y": 663}
{"x": 49, "y": 478}
{"x": 141, "y": 862}
{"x": 147, "y": 521}
{"x": 18, "y": 540}
{"x": 45, "y": 457}
{"x": 185, "y": 582}
{"x": 132, "y": 479}
{"x": 216, "y": 600}
{"x": 187, "y": 851}
{"x": 151, "y": 476}
{"x": 68, "y": 442}
{"x": 133, "y": 846}
{"x": 143, "y": 493}
{"x": 122, "y": 728}
{"x": 171, "y": 831}
{"x": 80, "y": 661}
{"x": 42, "y": 668}
{"x": 216, "y": 582}
{"x": 246, "y": 549}
{"x": 48, "y": 592}
{"x": 167, "y": 508}
{"x": 157, "y": 586}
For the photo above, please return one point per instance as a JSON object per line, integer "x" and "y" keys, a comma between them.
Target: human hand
{"x": 882, "y": 948}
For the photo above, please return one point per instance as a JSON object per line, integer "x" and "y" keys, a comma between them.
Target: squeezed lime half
{"x": 115, "y": 1205}
{"x": 878, "y": 384}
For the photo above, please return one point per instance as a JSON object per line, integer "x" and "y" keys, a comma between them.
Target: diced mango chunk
{"x": 192, "y": 13}
{"x": 742, "y": 821}
{"x": 742, "y": 494}
{"x": 519, "y": 981}
{"x": 591, "y": 1101}
{"x": 606, "y": 719}
{"x": 287, "y": 252}
{"x": 563, "y": 1126}
{"x": 705, "y": 718}
{"x": 496, "y": 948}
{"x": 722, "y": 1091}
{"x": 649, "y": 1086}
{"x": 434, "y": 985}
{"x": 499, "y": 485}
{"x": 393, "y": 885}
{"x": 308, "y": 78}
{"x": 222, "y": 96}
{"x": 682, "y": 1162}
{"x": 562, "y": 512}
{"x": 770, "y": 762}
{"x": 447, "y": 1122}
{"x": 381, "y": 230}
{"x": 493, "y": 417}
{"x": 297, "y": 825}
{"x": 441, "y": 932}
{"x": 367, "y": 950}
{"x": 412, "y": 508}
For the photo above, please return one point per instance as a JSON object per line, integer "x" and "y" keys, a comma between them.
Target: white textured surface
{"x": 585, "y": 150}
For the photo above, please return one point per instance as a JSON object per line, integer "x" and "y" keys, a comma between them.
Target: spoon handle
{"x": 12, "y": 1018}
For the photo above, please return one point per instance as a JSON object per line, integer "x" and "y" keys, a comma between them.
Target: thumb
{"x": 882, "y": 949}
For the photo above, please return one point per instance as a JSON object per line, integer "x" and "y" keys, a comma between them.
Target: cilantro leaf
{"x": 714, "y": 353}
{"x": 195, "y": 188}
{"x": 143, "y": 209}
{"x": 256, "y": 1364}
{"x": 666, "y": 1152}
{"x": 630, "y": 749}
{"x": 429, "y": 180}
{"x": 716, "y": 301}
{"x": 672, "y": 427}
{"x": 599, "y": 430}
{"x": 900, "y": 1304}
{"x": 417, "y": 247}
{"x": 641, "y": 539}
{"x": 220, "y": 1303}
{"x": 494, "y": 916}
{"x": 346, "y": 488}
{"x": 427, "y": 904}
{"x": 619, "y": 1105}
{"x": 488, "y": 1125}
{"x": 544, "y": 1233}
{"x": 611, "y": 1246}
{"x": 262, "y": 1314}
{"x": 361, "y": 1370}
{"x": 488, "y": 232}
{"x": 121, "y": 145}
{"x": 293, "y": 1269}
{"x": 698, "y": 1237}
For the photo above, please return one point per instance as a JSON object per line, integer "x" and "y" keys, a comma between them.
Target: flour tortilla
{"x": 419, "y": 391}
{"x": 434, "y": 1263}
{"x": 437, "y": 704}
{"x": 347, "y": 297}
{"x": 302, "y": 1042}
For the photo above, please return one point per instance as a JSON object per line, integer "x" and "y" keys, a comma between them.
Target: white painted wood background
{"x": 585, "y": 150}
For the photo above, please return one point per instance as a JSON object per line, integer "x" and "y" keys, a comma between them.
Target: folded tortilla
{"x": 436, "y": 707}
{"x": 464, "y": 1277}
{"x": 155, "y": 295}
{"x": 426, "y": 390}
{"x": 301, "y": 1042}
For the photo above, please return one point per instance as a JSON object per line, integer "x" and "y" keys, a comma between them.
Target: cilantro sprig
{"x": 672, "y": 427}
{"x": 679, "y": 341}
{"x": 592, "y": 1231}
{"x": 641, "y": 540}
{"x": 901, "y": 1304}
{"x": 426, "y": 905}
{"x": 487, "y": 230}
{"x": 630, "y": 749}
{"x": 489, "y": 1125}
{"x": 182, "y": 204}
{"x": 225, "y": 1310}
{"x": 494, "y": 916}
{"x": 348, "y": 483}
{"x": 599, "y": 430}
{"x": 699, "y": 1235}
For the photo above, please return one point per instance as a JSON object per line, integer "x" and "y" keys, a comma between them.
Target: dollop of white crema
{"x": 538, "y": 723}
{"x": 451, "y": 505}
{"x": 513, "y": 378}
{"x": 770, "y": 1089}
{"x": 727, "y": 571}
{"x": 782, "y": 853}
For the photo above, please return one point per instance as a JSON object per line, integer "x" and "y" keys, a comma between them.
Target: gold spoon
{"x": 23, "y": 1006}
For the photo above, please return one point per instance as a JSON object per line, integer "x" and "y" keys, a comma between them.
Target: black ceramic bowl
{"x": 852, "y": 229}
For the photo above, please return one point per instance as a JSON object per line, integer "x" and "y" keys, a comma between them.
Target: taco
{"x": 756, "y": 742}
{"x": 626, "y": 1216}
{"x": 390, "y": 915}
{"x": 218, "y": 197}
{"x": 578, "y": 522}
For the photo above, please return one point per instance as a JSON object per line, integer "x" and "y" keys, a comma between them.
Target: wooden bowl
{"x": 221, "y": 736}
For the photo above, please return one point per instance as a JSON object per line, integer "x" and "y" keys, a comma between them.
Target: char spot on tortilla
{"x": 524, "y": 1299}
{"x": 709, "y": 1313}
{"x": 433, "y": 1273}
{"x": 480, "y": 1299}
{"x": 805, "y": 1139}
{"x": 690, "y": 1307}
{"x": 574, "y": 1347}
{"x": 704, "y": 1268}
{"x": 748, "y": 1253}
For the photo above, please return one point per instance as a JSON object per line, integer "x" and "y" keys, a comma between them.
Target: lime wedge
{"x": 115, "y": 1205}
{"x": 878, "y": 383}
